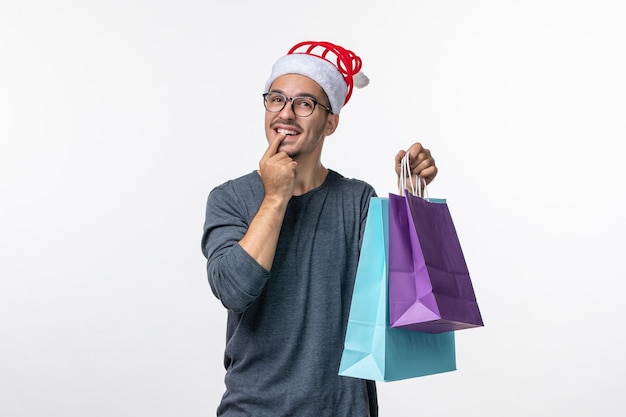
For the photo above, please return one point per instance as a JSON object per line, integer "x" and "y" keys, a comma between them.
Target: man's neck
{"x": 309, "y": 178}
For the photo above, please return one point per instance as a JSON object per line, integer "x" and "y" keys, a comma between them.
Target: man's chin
{"x": 292, "y": 154}
{"x": 288, "y": 148}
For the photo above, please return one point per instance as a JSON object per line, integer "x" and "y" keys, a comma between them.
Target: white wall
{"x": 118, "y": 117}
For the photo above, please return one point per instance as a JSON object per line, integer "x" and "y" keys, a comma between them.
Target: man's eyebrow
{"x": 308, "y": 95}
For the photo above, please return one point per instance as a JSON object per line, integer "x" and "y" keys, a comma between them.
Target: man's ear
{"x": 332, "y": 121}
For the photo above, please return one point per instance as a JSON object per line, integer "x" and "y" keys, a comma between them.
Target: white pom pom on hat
{"x": 360, "y": 80}
{"x": 336, "y": 69}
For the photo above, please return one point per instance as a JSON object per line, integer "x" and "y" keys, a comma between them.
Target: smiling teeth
{"x": 287, "y": 132}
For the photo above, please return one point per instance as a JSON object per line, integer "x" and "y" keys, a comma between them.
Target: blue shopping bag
{"x": 372, "y": 348}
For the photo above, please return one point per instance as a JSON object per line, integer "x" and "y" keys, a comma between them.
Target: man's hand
{"x": 421, "y": 161}
{"x": 278, "y": 171}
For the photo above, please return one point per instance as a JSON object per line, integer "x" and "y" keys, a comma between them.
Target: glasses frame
{"x": 291, "y": 99}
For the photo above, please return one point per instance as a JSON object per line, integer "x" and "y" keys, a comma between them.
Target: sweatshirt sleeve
{"x": 367, "y": 195}
{"x": 235, "y": 277}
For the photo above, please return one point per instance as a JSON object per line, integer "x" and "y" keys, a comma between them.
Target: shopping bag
{"x": 430, "y": 288}
{"x": 372, "y": 348}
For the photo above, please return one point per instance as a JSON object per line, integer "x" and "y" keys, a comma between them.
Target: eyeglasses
{"x": 301, "y": 106}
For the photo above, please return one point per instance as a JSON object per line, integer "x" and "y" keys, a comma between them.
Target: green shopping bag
{"x": 372, "y": 348}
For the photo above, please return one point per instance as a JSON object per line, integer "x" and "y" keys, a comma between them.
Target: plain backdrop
{"x": 118, "y": 117}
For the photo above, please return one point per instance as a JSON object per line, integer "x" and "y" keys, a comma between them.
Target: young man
{"x": 282, "y": 247}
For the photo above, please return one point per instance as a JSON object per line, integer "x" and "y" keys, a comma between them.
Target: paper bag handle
{"x": 419, "y": 187}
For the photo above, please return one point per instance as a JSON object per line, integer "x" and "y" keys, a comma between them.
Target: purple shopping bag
{"x": 430, "y": 289}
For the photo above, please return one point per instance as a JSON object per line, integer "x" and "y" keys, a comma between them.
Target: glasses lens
{"x": 274, "y": 102}
{"x": 303, "y": 106}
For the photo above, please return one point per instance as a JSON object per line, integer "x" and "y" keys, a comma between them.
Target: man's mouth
{"x": 286, "y": 132}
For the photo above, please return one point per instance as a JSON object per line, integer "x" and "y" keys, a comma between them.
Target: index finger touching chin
{"x": 274, "y": 144}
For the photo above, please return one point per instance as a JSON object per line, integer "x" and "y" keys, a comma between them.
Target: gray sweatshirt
{"x": 285, "y": 328}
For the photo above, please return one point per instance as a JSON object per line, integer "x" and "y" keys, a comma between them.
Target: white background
{"x": 118, "y": 117}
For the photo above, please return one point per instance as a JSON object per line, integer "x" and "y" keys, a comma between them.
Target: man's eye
{"x": 304, "y": 103}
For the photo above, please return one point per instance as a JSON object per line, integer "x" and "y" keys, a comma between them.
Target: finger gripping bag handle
{"x": 417, "y": 187}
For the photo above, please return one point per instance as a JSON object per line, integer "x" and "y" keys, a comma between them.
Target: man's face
{"x": 305, "y": 135}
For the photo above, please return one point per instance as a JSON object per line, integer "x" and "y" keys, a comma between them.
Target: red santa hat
{"x": 336, "y": 69}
